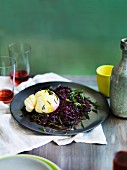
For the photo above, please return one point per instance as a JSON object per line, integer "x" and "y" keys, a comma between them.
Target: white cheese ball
{"x": 30, "y": 103}
{"x": 46, "y": 101}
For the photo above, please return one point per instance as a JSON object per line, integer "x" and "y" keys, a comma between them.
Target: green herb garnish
{"x": 60, "y": 121}
{"x": 48, "y": 102}
{"x": 82, "y": 125}
{"x": 78, "y": 91}
{"x": 43, "y": 128}
{"x": 96, "y": 105}
{"x": 55, "y": 101}
{"x": 43, "y": 107}
{"x": 49, "y": 91}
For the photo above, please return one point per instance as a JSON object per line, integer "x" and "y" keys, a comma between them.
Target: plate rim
{"x": 52, "y": 165}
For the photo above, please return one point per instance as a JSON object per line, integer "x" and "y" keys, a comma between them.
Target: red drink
{"x": 20, "y": 76}
{"x": 120, "y": 161}
{"x": 6, "y": 95}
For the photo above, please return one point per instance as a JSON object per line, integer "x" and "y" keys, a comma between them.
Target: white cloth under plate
{"x": 15, "y": 138}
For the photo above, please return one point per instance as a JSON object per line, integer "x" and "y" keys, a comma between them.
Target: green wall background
{"x": 67, "y": 36}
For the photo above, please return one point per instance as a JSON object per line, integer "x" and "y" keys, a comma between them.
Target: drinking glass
{"x": 120, "y": 160}
{"x": 21, "y": 52}
{"x": 7, "y": 68}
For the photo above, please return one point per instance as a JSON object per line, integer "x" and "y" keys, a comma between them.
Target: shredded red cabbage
{"x": 74, "y": 107}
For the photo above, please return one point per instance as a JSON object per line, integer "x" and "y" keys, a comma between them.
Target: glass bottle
{"x": 118, "y": 84}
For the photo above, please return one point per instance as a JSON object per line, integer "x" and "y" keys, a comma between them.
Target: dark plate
{"x": 95, "y": 118}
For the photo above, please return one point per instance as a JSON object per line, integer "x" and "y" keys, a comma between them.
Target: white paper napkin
{"x": 15, "y": 138}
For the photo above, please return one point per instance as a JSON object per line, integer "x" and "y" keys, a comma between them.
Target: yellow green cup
{"x": 103, "y": 74}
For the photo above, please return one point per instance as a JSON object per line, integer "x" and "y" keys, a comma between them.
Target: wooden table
{"x": 81, "y": 156}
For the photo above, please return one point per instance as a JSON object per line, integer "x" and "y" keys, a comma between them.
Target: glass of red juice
{"x": 120, "y": 161}
{"x": 7, "y": 67}
{"x": 21, "y": 52}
